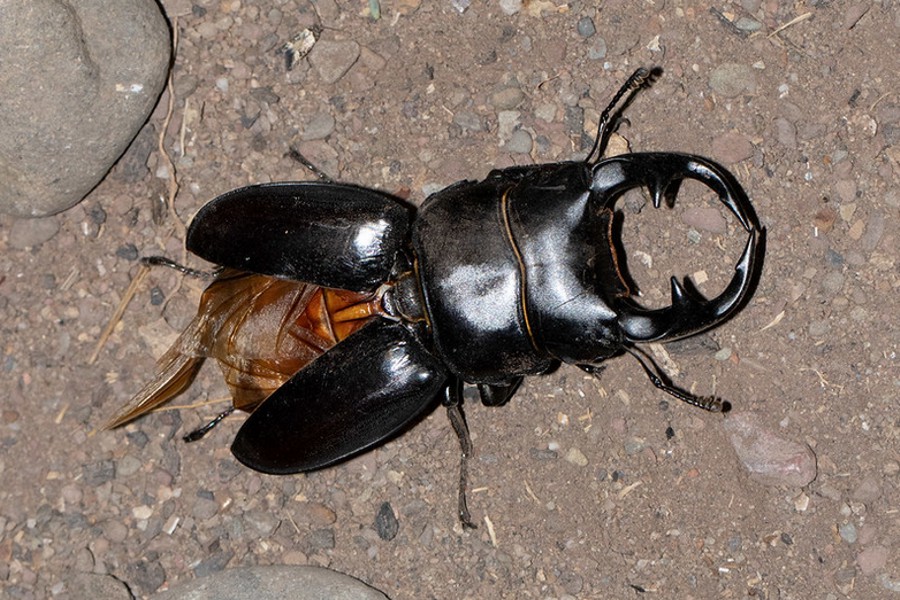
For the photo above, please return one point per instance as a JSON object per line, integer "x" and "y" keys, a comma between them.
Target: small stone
{"x": 468, "y": 121}
{"x": 732, "y": 148}
{"x": 872, "y": 559}
{"x": 586, "y": 27}
{"x": 598, "y": 49}
{"x": 854, "y": 13}
{"x": 769, "y": 458}
{"x": 706, "y": 219}
{"x": 576, "y": 457}
{"x": 846, "y": 190}
{"x": 848, "y": 533}
{"x": 733, "y": 79}
{"x": 386, "y": 524}
{"x": 332, "y": 59}
{"x": 318, "y": 127}
{"x": 142, "y": 512}
{"x": 511, "y": 7}
{"x": 507, "y": 98}
{"x": 519, "y": 143}
{"x": 785, "y": 133}
{"x": 29, "y": 233}
{"x": 634, "y": 445}
{"x": 867, "y": 491}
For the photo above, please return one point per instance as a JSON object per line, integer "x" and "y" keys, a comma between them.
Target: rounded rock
{"x": 106, "y": 63}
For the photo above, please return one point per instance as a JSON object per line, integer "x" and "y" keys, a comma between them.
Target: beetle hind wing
{"x": 359, "y": 394}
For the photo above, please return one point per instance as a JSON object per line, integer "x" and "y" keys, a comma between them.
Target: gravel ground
{"x": 583, "y": 487}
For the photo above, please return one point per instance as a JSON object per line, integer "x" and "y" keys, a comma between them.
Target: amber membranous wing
{"x": 261, "y": 330}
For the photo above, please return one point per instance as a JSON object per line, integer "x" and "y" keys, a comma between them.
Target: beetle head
{"x": 662, "y": 174}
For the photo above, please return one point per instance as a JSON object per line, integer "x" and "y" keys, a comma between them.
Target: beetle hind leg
{"x": 453, "y": 400}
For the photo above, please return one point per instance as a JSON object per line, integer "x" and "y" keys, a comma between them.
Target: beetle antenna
{"x": 710, "y": 403}
{"x": 638, "y": 80}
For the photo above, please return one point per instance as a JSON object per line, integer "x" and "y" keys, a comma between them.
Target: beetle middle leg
{"x": 162, "y": 261}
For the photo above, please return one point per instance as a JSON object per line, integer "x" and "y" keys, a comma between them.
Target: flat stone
{"x": 732, "y": 79}
{"x": 105, "y": 64}
{"x": 769, "y": 458}
{"x": 332, "y": 59}
{"x": 271, "y": 583}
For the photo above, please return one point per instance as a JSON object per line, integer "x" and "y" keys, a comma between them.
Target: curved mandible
{"x": 662, "y": 173}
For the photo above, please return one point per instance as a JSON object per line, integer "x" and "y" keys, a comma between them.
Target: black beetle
{"x": 342, "y": 314}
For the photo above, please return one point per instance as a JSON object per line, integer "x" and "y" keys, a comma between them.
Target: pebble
{"x": 598, "y": 49}
{"x": 520, "y": 142}
{"x": 468, "y": 121}
{"x": 732, "y": 148}
{"x": 576, "y": 457}
{"x": 769, "y": 458}
{"x": 705, "y": 219}
{"x": 332, "y": 59}
{"x": 586, "y": 27}
{"x": 511, "y": 7}
{"x": 318, "y": 127}
{"x": 732, "y": 79}
{"x": 386, "y": 524}
{"x": 872, "y": 559}
{"x": 848, "y": 533}
{"x": 634, "y": 445}
{"x": 507, "y": 98}
{"x": 867, "y": 491}
{"x": 854, "y": 13}
{"x": 785, "y": 133}
{"x": 29, "y": 233}
{"x": 271, "y": 583}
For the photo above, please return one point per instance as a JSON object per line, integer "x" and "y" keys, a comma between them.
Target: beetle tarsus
{"x": 298, "y": 156}
{"x": 198, "y": 433}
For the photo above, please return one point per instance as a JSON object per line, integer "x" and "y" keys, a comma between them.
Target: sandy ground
{"x": 587, "y": 495}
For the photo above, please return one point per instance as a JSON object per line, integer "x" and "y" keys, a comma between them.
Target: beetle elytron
{"x": 342, "y": 314}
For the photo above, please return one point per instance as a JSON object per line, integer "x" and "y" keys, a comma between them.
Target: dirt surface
{"x": 593, "y": 488}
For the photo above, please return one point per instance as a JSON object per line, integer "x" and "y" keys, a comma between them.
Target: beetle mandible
{"x": 343, "y": 314}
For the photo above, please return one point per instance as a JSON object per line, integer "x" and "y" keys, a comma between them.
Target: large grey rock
{"x": 274, "y": 583}
{"x": 78, "y": 78}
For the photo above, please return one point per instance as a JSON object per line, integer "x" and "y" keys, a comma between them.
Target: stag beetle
{"x": 342, "y": 314}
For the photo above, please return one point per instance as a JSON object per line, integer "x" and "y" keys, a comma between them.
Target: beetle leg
{"x": 453, "y": 400}
{"x": 498, "y": 395}
{"x": 162, "y": 261}
{"x": 295, "y": 154}
{"x": 204, "y": 429}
